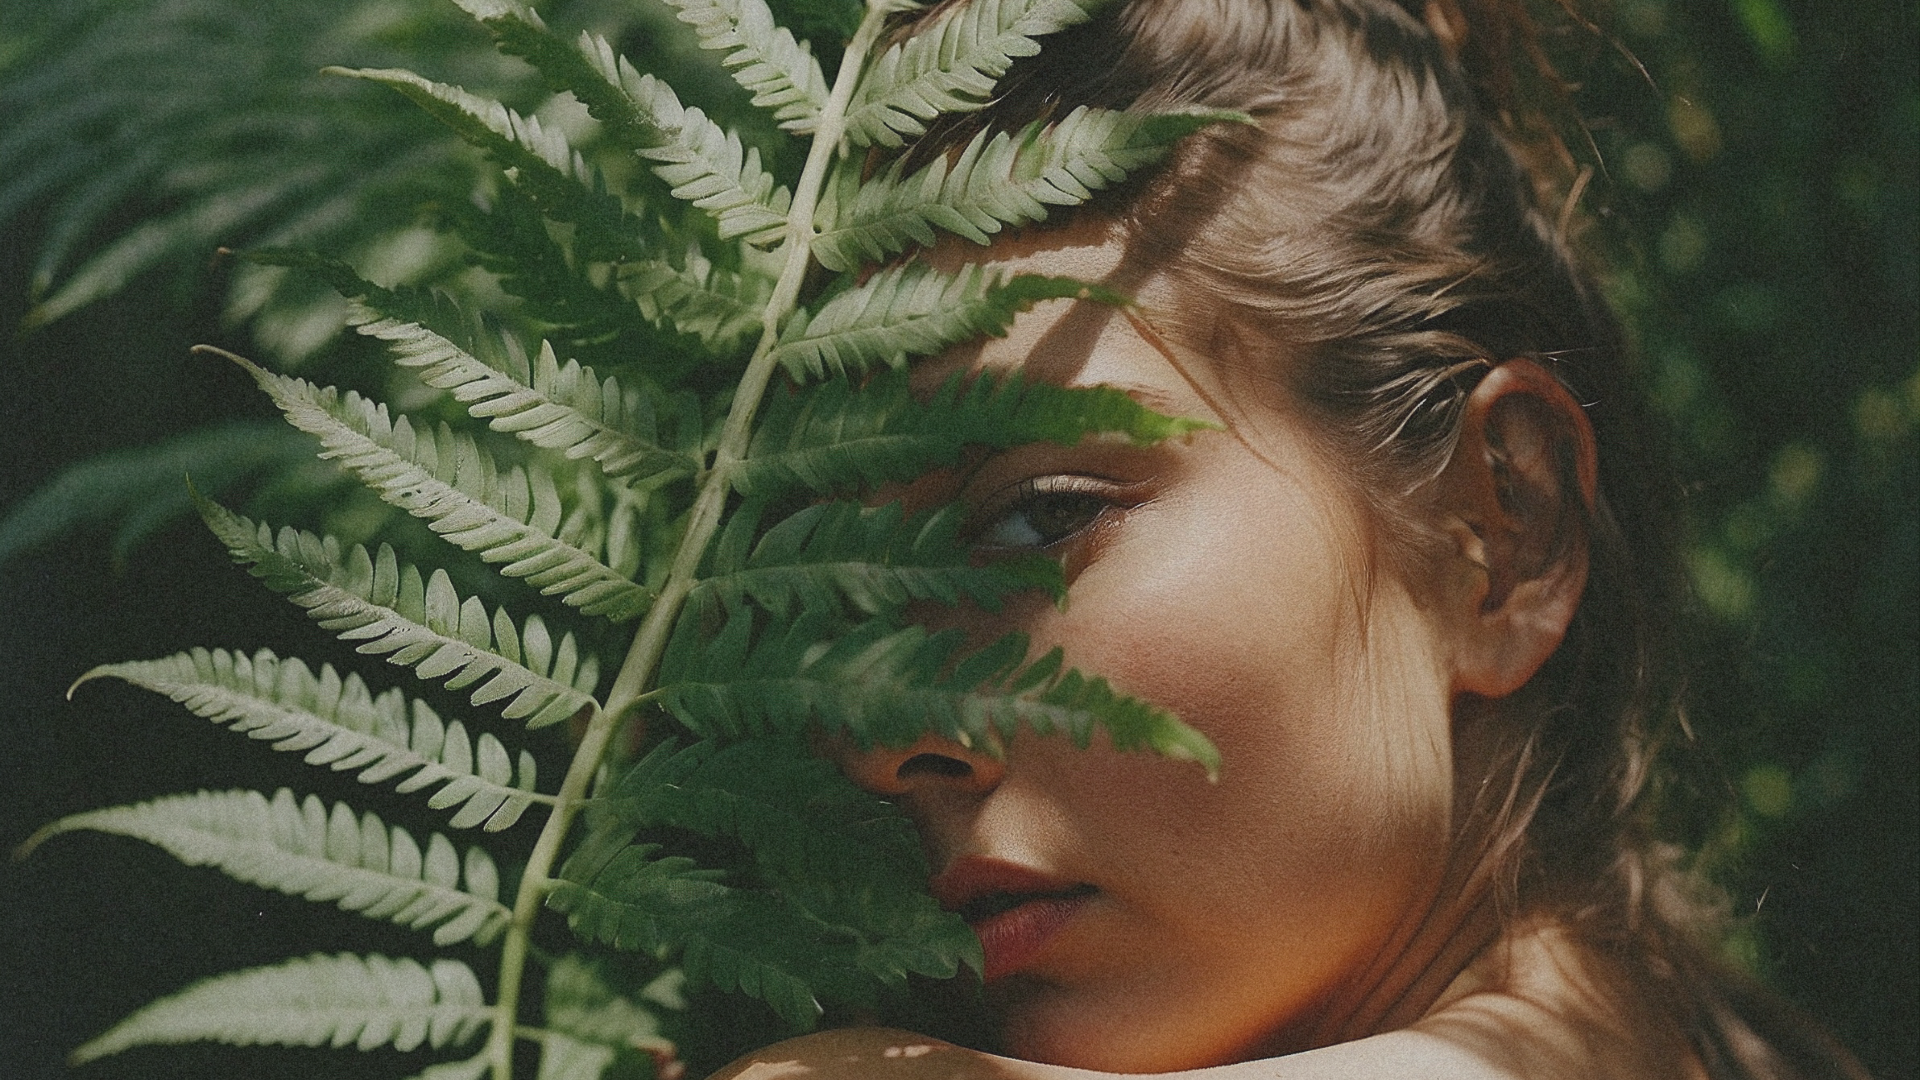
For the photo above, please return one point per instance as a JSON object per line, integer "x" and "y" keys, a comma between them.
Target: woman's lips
{"x": 1015, "y": 910}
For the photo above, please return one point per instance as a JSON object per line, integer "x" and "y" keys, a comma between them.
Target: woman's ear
{"x": 1516, "y": 498}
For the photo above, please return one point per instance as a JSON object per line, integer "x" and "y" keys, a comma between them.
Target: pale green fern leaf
{"x": 883, "y": 683}
{"x": 301, "y": 849}
{"x": 557, "y": 407}
{"x": 511, "y": 516}
{"x": 420, "y": 624}
{"x": 539, "y": 159}
{"x": 997, "y": 180}
{"x": 869, "y": 559}
{"x": 951, "y": 65}
{"x": 911, "y": 310}
{"x": 693, "y": 296}
{"x": 781, "y": 73}
{"x": 345, "y": 1000}
{"x": 338, "y": 723}
{"x": 838, "y": 435}
{"x": 563, "y": 1057}
{"x": 703, "y": 163}
{"x": 580, "y": 1003}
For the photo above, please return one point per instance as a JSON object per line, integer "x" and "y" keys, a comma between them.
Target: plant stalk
{"x": 702, "y": 521}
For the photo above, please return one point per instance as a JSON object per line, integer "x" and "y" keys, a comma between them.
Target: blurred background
{"x": 1756, "y": 204}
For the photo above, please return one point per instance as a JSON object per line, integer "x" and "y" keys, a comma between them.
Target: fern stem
{"x": 629, "y": 686}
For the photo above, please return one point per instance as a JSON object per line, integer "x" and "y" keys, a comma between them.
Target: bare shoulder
{"x": 885, "y": 1054}
{"x": 1541, "y": 1006}
{"x": 1536, "y": 1006}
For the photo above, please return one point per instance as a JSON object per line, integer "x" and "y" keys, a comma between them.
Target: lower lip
{"x": 1014, "y": 938}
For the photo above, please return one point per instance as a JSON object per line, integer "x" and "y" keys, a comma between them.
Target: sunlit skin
{"x": 1319, "y": 892}
{"x": 1223, "y": 576}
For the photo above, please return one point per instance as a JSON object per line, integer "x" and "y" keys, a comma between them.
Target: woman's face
{"x": 1136, "y": 916}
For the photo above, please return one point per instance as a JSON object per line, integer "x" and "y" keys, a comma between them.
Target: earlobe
{"x": 1518, "y": 496}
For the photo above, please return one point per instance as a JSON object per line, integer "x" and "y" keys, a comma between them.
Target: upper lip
{"x": 975, "y": 884}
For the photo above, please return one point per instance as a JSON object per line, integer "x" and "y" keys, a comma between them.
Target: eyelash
{"x": 1073, "y": 501}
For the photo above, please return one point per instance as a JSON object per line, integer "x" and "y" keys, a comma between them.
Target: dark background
{"x": 1759, "y": 208}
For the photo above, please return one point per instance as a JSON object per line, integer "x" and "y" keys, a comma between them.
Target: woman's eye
{"x": 1042, "y": 513}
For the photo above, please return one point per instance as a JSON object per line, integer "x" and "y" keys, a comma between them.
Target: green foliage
{"x": 508, "y": 516}
{"x": 338, "y": 723}
{"x": 999, "y": 178}
{"x": 710, "y": 504}
{"x": 141, "y": 489}
{"x": 952, "y": 65}
{"x": 302, "y": 849}
{"x": 424, "y": 625}
{"x": 866, "y": 559}
{"x": 364, "y": 1002}
{"x": 838, "y": 435}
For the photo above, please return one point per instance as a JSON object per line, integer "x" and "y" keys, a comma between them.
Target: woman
{"x": 1414, "y": 587}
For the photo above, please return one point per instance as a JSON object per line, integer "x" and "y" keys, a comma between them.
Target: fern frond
{"x": 207, "y": 125}
{"x": 882, "y": 683}
{"x": 539, "y": 159}
{"x": 301, "y": 849}
{"x": 565, "y": 408}
{"x": 727, "y": 937}
{"x": 141, "y": 489}
{"x": 797, "y": 814}
{"x": 870, "y": 559}
{"x": 913, "y": 310}
{"x": 837, "y": 435}
{"x": 996, "y": 180}
{"x": 563, "y": 1057}
{"x": 951, "y": 65}
{"x": 579, "y": 1002}
{"x": 425, "y": 626}
{"x": 787, "y": 948}
{"x": 345, "y": 1000}
{"x": 703, "y": 163}
{"x": 450, "y": 482}
{"x": 338, "y": 723}
{"x": 781, "y": 73}
{"x": 695, "y": 297}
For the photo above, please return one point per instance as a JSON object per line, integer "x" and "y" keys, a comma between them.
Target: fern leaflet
{"x": 871, "y": 560}
{"x": 997, "y": 180}
{"x": 951, "y": 66}
{"x": 336, "y": 722}
{"x": 364, "y": 1002}
{"x": 912, "y": 310}
{"x": 882, "y": 683}
{"x": 301, "y": 849}
{"x": 838, "y": 435}
{"x": 703, "y": 163}
{"x": 781, "y": 74}
{"x": 566, "y": 408}
{"x": 539, "y": 160}
{"x": 580, "y": 1002}
{"x": 783, "y": 947}
{"x": 449, "y": 481}
{"x": 422, "y": 625}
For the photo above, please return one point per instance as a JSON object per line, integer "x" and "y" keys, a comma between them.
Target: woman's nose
{"x": 929, "y": 765}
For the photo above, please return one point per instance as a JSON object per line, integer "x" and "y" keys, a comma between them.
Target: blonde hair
{"x": 1379, "y": 221}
